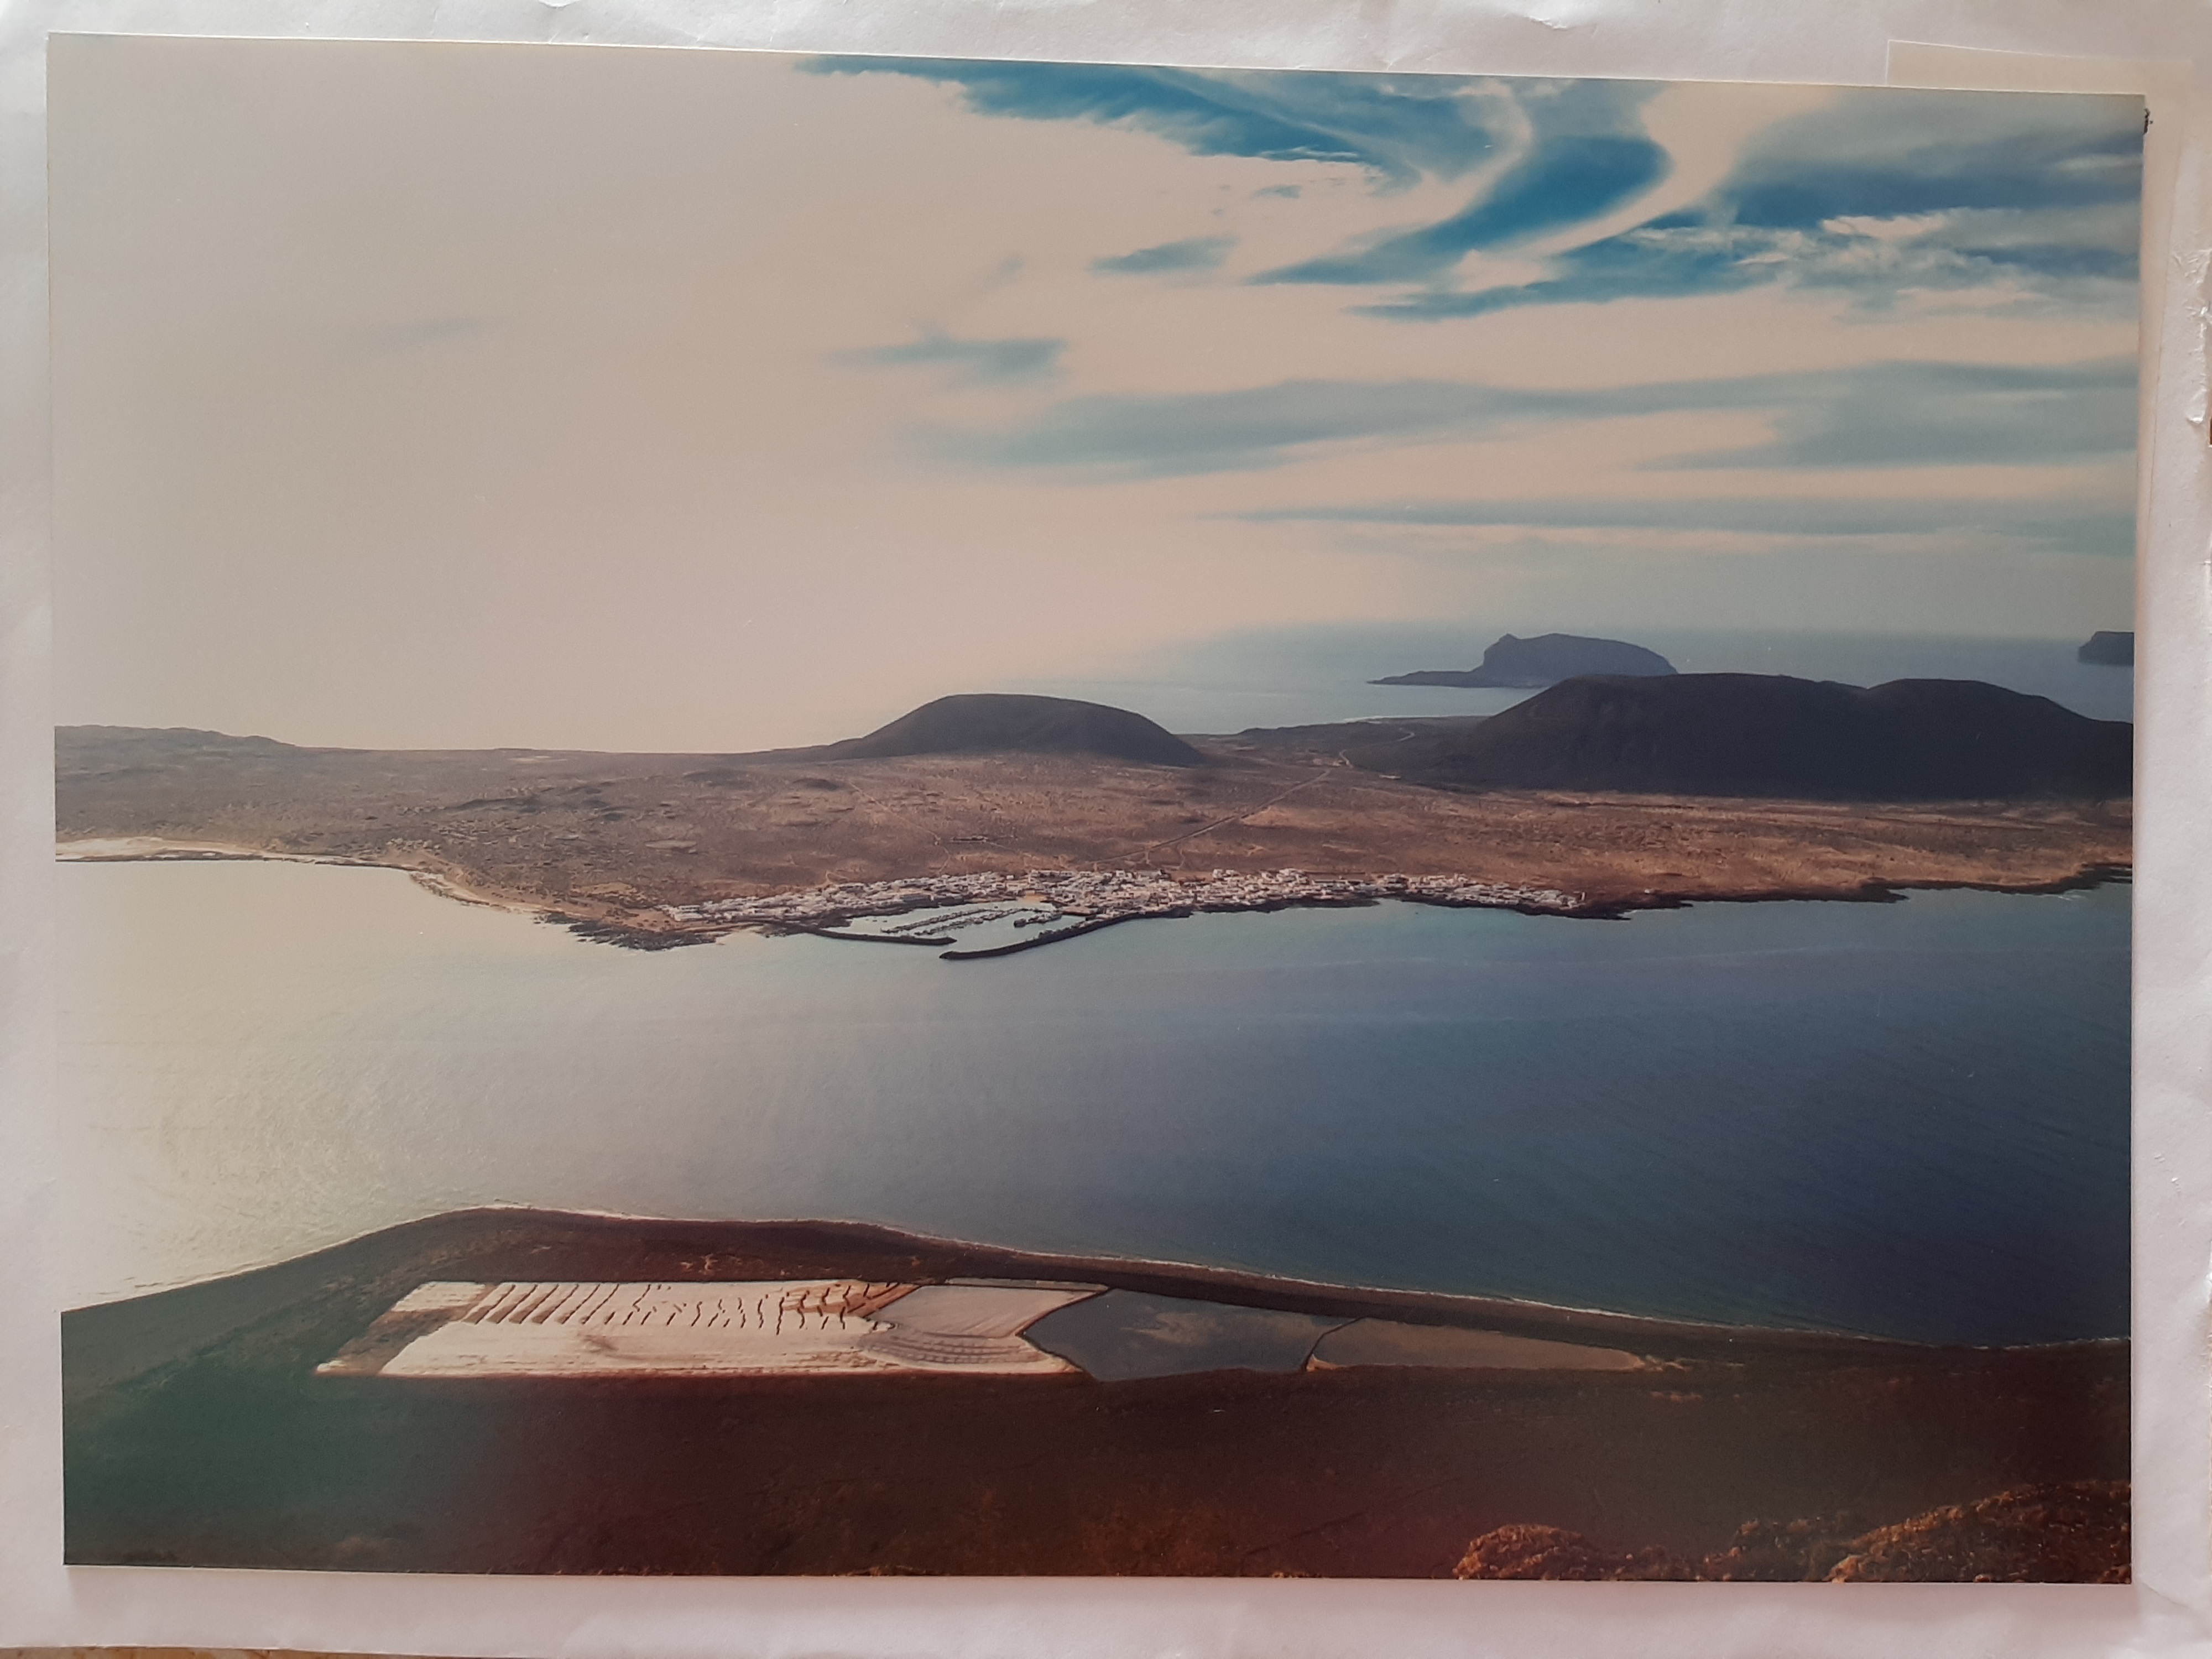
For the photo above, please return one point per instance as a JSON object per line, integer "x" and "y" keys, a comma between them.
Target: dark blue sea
{"x": 1908, "y": 1119}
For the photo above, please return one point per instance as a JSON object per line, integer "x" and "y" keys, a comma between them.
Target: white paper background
{"x": 2164, "y": 50}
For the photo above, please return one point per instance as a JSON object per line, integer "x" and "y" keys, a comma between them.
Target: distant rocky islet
{"x": 2107, "y": 649}
{"x": 1516, "y": 663}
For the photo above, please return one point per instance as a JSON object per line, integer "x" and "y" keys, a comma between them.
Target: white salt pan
{"x": 764, "y": 1328}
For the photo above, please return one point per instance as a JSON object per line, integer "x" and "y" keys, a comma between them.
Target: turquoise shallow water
{"x": 1908, "y": 1119}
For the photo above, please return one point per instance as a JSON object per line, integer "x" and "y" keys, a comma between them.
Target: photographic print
{"x": 849, "y": 816}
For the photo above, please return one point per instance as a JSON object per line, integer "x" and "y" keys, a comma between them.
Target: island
{"x": 2108, "y": 650}
{"x": 1531, "y": 665}
{"x": 1597, "y": 797}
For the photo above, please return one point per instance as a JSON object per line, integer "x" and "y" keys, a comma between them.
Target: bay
{"x": 1908, "y": 1119}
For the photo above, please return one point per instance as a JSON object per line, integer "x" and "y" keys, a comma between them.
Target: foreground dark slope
{"x": 199, "y": 1434}
{"x": 1770, "y": 736}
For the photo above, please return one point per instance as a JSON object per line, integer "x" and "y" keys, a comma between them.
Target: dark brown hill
{"x": 984, "y": 722}
{"x": 1769, "y": 735}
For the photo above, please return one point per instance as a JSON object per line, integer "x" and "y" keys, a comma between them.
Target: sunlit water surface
{"x": 1908, "y": 1118}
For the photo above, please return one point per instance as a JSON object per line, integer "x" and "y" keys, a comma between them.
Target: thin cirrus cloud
{"x": 1581, "y": 148}
{"x": 1889, "y": 414}
{"x": 1878, "y": 194}
{"x": 1882, "y": 191}
{"x": 974, "y": 362}
{"x": 1877, "y": 414}
{"x": 1192, "y": 253}
{"x": 1586, "y": 154}
{"x": 1400, "y": 127}
{"x": 2089, "y": 527}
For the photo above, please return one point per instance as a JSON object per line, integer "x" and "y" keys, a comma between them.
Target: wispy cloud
{"x": 1586, "y": 154}
{"x": 1878, "y": 415}
{"x": 1400, "y": 127}
{"x": 1945, "y": 414}
{"x": 1891, "y": 152}
{"x": 1570, "y": 150}
{"x": 1882, "y": 193}
{"x": 1192, "y": 253}
{"x": 1233, "y": 431}
{"x": 977, "y": 362}
{"x": 2080, "y": 527}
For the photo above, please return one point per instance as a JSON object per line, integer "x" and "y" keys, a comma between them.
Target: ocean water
{"x": 1308, "y": 676}
{"x": 1908, "y": 1119}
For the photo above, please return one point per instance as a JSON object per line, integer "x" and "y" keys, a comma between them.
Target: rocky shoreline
{"x": 1075, "y": 901}
{"x": 1084, "y": 901}
{"x": 655, "y": 851}
{"x": 1066, "y": 903}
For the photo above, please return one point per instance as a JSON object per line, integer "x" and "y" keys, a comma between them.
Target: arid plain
{"x": 612, "y": 838}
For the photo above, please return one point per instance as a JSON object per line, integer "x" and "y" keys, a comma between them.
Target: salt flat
{"x": 772, "y": 1327}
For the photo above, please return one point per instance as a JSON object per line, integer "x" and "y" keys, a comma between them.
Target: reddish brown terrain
{"x": 610, "y": 838}
{"x": 2070, "y": 1532}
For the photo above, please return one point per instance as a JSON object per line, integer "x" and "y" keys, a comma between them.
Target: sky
{"x": 421, "y": 395}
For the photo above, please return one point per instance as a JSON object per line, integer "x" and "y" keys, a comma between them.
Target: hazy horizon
{"x": 436, "y": 396}
{"x": 1305, "y": 676}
